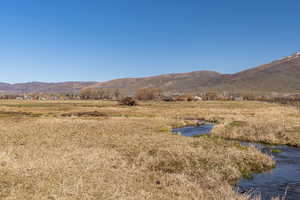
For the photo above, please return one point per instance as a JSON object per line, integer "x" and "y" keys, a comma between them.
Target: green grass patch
{"x": 239, "y": 146}
{"x": 247, "y": 174}
{"x": 276, "y": 151}
{"x": 237, "y": 124}
{"x": 200, "y": 136}
{"x": 165, "y": 129}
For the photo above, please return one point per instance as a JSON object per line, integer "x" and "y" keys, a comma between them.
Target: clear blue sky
{"x": 65, "y": 40}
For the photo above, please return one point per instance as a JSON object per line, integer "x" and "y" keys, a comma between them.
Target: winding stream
{"x": 283, "y": 180}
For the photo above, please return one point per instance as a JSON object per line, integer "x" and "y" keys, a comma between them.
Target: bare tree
{"x": 148, "y": 94}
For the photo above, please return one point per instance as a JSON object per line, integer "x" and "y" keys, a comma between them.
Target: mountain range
{"x": 40, "y": 87}
{"x": 281, "y": 75}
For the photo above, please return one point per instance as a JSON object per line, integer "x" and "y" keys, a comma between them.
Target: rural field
{"x": 92, "y": 150}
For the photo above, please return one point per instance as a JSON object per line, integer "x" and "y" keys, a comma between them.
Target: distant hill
{"x": 281, "y": 75}
{"x": 278, "y": 76}
{"x": 185, "y": 82}
{"x": 40, "y": 87}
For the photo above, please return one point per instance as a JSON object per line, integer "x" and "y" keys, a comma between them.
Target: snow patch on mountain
{"x": 295, "y": 55}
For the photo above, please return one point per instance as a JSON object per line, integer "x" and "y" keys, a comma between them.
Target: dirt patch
{"x": 18, "y": 114}
{"x": 85, "y": 114}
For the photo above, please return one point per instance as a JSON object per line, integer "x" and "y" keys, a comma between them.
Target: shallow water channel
{"x": 283, "y": 180}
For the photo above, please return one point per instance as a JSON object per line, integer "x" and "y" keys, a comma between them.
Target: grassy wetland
{"x": 65, "y": 150}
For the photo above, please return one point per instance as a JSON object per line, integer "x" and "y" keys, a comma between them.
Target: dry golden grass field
{"x": 94, "y": 150}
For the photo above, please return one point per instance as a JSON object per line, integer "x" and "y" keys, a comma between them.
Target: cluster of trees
{"x": 108, "y": 93}
{"x": 289, "y": 100}
{"x": 145, "y": 94}
{"x": 8, "y": 96}
{"x": 100, "y": 93}
{"x": 41, "y": 96}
